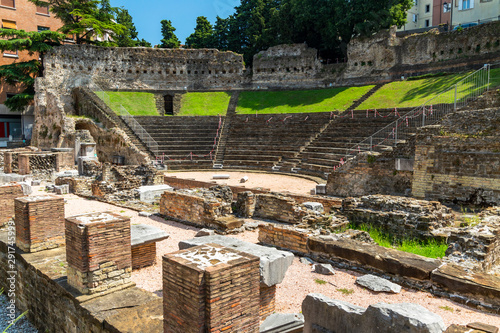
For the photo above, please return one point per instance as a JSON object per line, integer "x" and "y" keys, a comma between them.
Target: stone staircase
{"x": 221, "y": 144}
{"x": 360, "y": 101}
{"x": 106, "y": 115}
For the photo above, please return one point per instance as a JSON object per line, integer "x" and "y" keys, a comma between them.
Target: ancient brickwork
{"x": 267, "y": 301}
{"x": 284, "y": 237}
{"x": 203, "y": 208}
{"x": 80, "y": 185}
{"x": 39, "y": 223}
{"x": 460, "y": 161}
{"x": 98, "y": 251}
{"x": 277, "y": 207}
{"x": 245, "y": 204}
{"x": 210, "y": 288}
{"x": 7, "y": 195}
{"x": 399, "y": 216}
{"x": 143, "y": 255}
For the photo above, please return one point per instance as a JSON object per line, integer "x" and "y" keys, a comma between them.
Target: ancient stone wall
{"x": 399, "y": 216}
{"x": 460, "y": 161}
{"x": 390, "y": 57}
{"x": 283, "y": 237}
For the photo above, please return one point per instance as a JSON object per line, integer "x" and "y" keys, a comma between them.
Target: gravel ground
{"x": 22, "y": 326}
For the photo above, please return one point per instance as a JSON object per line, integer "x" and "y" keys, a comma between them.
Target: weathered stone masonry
{"x": 7, "y": 195}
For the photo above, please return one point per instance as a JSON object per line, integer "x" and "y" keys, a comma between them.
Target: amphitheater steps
{"x": 360, "y": 101}
{"x": 231, "y": 112}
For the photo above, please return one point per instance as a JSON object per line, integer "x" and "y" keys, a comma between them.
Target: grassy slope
{"x": 204, "y": 104}
{"x": 416, "y": 92}
{"x": 298, "y": 101}
{"x": 136, "y": 103}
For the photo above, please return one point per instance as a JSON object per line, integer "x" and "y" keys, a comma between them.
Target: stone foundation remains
{"x": 203, "y": 208}
{"x": 98, "y": 251}
{"x": 210, "y": 288}
{"x": 7, "y": 195}
{"x": 39, "y": 223}
{"x": 399, "y": 216}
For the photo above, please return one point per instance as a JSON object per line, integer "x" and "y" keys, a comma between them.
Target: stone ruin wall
{"x": 459, "y": 162}
{"x": 380, "y": 58}
{"x": 70, "y": 66}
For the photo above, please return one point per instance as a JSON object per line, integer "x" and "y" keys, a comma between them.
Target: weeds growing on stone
{"x": 346, "y": 291}
{"x": 428, "y": 248}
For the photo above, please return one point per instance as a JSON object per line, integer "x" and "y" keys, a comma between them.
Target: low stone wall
{"x": 80, "y": 185}
{"x": 41, "y": 287}
{"x": 7, "y": 195}
{"x": 447, "y": 280}
{"x": 399, "y": 216}
{"x": 278, "y": 208}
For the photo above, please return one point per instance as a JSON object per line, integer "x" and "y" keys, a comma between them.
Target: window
{"x": 427, "y": 8}
{"x": 427, "y": 23}
{"x": 6, "y": 24}
{"x": 42, "y": 10}
{"x": 40, "y": 28}
{"x": 465, "y": 4}
{"x": 8, "y": 3}
{"x": 446, "y": 7}
{"x": 414, "y": 18}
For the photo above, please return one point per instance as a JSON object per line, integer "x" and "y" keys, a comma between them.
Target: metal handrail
{"x": 430, "y": 112}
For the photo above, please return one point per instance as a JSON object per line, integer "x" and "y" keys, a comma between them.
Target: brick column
{"x": 143, "y": 255}
{"x": 210, "y": 288}
{"x": 267, "y": 300}
{"x": 39, "y": 222}
{"x": 7, "y": 161}
{"x": 7, "y": 195}
{"x": 24, "y": 164}
{"x": 98, "y": 251}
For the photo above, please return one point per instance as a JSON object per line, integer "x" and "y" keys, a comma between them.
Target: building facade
{"x": 447, "y": 14}
{"x": 21, "y": 15}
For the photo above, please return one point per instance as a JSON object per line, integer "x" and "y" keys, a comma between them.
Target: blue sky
{"x": 147, "y": 15}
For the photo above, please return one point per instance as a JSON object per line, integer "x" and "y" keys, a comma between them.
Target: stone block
{"x": 314, "y": 206}
{"x": 221, "y": 176}
{"x": 143, "y": 234}
{"x": 404, "y": 164}
{"x": 378, "y": 284}
{"x": 273, "y": 263}
{"x": 152, "y": 193}
{"x": 324, "y": 314}
{"x": 283, "y": 322}
{"x": 321, "y": 189}
{"x": 61, "y": 189}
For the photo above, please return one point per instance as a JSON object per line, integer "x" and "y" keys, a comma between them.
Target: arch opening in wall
{"x": 169, "y": 104}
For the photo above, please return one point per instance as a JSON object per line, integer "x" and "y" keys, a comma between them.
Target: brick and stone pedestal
{"x": 98, "y": 251}
{"x": 144, "y": 238}
{"x": 39, "y": 222}
{"x": 7, "y": 195}
{"x": 210, "y": 288}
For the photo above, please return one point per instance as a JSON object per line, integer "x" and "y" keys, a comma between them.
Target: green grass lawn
{"x": 136, "y": 103}
{"x": 413, "y": 93}
{"x": 204, "y": 104}
{"x": 299, "y": 101}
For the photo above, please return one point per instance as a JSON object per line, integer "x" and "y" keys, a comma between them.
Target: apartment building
{"x": 450, "y": 13}
{"x": 21, "y": 15}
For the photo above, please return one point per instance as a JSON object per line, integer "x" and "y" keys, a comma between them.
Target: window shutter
{"x": 8, "y": 3}
{"x": 9, "y": 24}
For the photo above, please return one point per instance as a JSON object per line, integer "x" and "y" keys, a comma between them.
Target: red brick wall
{"x": 39, "y": 223}
{"x": 283, "y": 237}
{"x": 188, "y": 208}
{"x": 267, "y": 301}
{"x": 223, "y": 297}
{"x": 7, "y": 195}
{"x": 143, "y": 255}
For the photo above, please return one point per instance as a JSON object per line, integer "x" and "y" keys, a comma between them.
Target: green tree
{"x": 144, "y": 43}
{"x": 202, "y": 36}
{"x": 86, "y": 19}
{"x": 129, "y": 35}
{"x": 169, "y": 40}
{"x": 220, "y": 34}
{"x": 23, "y": 74}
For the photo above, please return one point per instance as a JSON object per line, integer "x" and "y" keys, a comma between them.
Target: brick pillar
{"x": 39, "y": 222}
{"x": 210, "y": 288}
{"x": 143, "y": 255}
{"x": 7, "y": 161}
{"x": 98, "y": 251}
{"x": 267, "y": 301}
{"x": 24, "y": 164}
{"x": 7, "y": 195}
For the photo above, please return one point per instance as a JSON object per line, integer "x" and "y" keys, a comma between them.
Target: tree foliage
{"x": 202, "y": 35}
{"x": 23, "y": 74}
{"x": 169, "y": 40}
{"x": 327, "y": 25}
{"x": 87, "y": 20}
